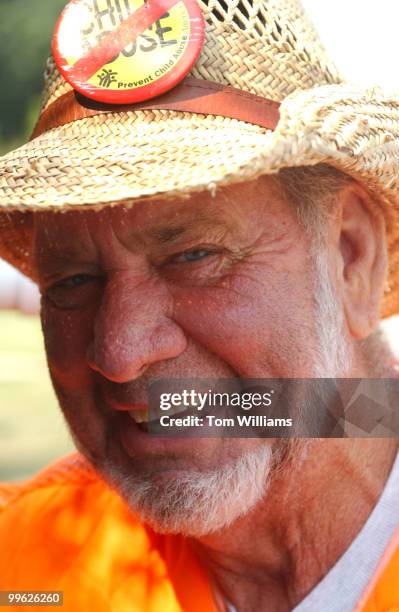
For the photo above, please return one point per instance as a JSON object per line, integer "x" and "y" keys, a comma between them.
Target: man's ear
{"x": 363, "y": 266}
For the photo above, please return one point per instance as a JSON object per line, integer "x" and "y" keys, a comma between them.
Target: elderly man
{"x": 207, "y": 232}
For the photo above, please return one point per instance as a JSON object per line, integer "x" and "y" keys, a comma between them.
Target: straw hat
{"x": 265, "y": 48}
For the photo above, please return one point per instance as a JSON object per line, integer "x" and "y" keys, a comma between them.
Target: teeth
{"x": 140, "y": 416}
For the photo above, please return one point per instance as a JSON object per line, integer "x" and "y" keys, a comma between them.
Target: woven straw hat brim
{"x": 105, "y": 160}
{"x": 99, "y": 160}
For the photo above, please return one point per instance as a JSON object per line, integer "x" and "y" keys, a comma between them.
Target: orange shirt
{"x": 66, "y": 530}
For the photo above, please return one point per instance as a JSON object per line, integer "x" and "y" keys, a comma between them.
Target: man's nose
{"x": 133, "y": 329}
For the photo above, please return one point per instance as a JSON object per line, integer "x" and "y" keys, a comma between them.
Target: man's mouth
{"x": 140, "y": 432}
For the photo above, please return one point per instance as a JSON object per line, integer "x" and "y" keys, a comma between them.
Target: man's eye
{"x": 73, "y": 292}
{"x": 74, "y": 281}
{"x": 191, "y": 256}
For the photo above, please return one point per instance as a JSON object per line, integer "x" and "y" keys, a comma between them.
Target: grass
{"x": 32, "y": 430}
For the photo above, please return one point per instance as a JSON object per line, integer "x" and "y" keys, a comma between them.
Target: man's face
{"x": 203, "y": 287}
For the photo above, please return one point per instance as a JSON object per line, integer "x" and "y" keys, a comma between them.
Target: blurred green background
{"x": 32, "y": 431}
{"x": 26, "y": 28}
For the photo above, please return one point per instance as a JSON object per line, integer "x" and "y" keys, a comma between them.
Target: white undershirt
{"x": 342, "y": 587}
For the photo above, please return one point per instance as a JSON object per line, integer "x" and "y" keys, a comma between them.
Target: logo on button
{"x": 126, "y": 51}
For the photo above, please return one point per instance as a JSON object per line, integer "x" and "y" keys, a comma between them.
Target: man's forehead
{"x": 139, "y": 222}
{"x": 156, "y": 220}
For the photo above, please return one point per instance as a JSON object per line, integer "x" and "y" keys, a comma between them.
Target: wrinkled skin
{"x": 216, "y": 287}
{"x": 150, "y": 305}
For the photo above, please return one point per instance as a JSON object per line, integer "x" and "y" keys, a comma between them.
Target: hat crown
{"x": 266, "y": 47}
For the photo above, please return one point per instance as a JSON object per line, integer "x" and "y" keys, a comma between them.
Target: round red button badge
{"x": 125, "y": 51}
